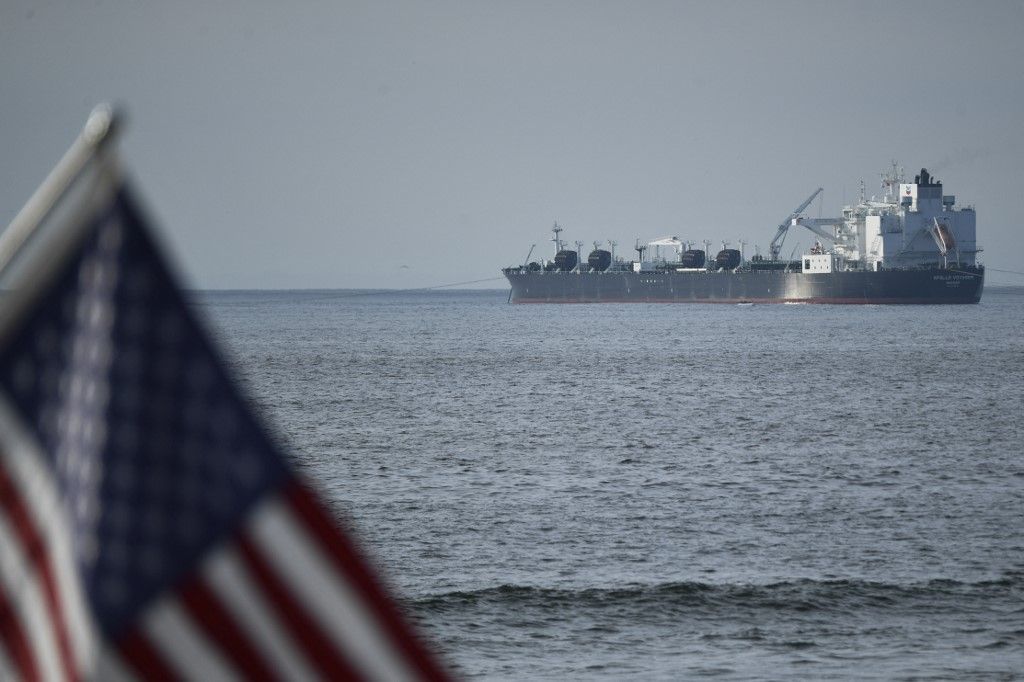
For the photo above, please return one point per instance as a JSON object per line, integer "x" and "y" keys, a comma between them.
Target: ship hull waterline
{"x": 915, "y": 287}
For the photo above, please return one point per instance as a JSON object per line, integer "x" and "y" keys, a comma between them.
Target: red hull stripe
{"x": 34, "y": 547}
{"x": 836, "y": 301}
{"x": 14, "y": 641}
{"x": 348, "y": 560}
{"x": 207, "y": 609}
{"x": 139, "y": 653}
{"x": 306, "y": 634}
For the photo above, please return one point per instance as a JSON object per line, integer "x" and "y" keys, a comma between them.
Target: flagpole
{"x": 100, "y": 130}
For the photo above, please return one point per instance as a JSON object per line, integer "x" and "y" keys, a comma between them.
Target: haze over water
{"x": 666, "y": 491}
{"x": 370, "y": 144}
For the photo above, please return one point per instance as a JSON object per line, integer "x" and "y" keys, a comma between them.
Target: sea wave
{"x": 804, "y": 595}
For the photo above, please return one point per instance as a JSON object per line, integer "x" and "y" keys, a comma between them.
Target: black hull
{"x": 919, "y": 286}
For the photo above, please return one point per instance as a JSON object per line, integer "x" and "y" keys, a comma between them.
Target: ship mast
{"x": 640, "y": 248}
{"x": 890, "y": 183}
{"x": 556, "y": 239}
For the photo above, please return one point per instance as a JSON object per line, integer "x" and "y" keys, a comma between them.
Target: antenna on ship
{"x": 891, "y": 180}
{"x": 597, "y": 245}
{"x": 557, "y": 240}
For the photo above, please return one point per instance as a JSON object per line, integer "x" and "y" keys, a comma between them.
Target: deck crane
{"x": 528, "y": 254}
{"x": 780, "y": 236}
{"x": 815, "y": 225}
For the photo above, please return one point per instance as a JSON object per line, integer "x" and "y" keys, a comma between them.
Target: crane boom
{"x": 815, "y": 225}
{"x": 780, "y": 235}
{"x": 529, "y": 253}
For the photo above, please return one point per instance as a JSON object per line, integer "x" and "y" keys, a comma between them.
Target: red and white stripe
{"x": 289, "y": 599}
{"x": 45, "y": 631}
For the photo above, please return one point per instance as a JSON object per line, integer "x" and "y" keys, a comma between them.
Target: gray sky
{"x": 345, "y": 144}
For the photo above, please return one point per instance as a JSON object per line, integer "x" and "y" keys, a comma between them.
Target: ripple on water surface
{"x": 666, "y": 491}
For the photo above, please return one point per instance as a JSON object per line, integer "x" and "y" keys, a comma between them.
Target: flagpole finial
{"x": 100, "y": 130}
{"x": 103, "y": 123}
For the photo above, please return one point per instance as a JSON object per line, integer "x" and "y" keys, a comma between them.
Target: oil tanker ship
{"x": 914, "y": 244}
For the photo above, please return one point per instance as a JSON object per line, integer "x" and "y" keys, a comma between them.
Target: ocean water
{"x": 665, "y": 491}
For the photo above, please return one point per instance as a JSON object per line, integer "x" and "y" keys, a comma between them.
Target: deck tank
{"x": 599, "y": 260}
{"x": 693, "y": 258}
{"x": 566, "y": 260}
{"x": 727, "y": 259}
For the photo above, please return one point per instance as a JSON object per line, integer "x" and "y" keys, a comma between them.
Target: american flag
{"x": 149, "y": 527}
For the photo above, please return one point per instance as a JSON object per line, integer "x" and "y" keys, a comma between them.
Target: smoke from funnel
{"x": 956, "y": 158}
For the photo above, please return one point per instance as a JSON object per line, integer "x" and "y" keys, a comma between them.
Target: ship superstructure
{"x": 913, "y": 224}
{"x": 914, "y": 244}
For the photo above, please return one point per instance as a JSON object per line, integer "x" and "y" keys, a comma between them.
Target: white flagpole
{"x": 100, "y": 129}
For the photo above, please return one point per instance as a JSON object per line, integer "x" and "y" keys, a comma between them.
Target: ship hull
{"x": 918, "y": 286}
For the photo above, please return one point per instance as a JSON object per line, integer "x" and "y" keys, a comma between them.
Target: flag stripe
{"x": 339, "y": 547}
{"x": 183, "y": 644}
{"x": 227, "y": 575}
{"x": 35, "y": 550}
{"x": 14, "y": 640}
{"x": 208, "y": 610}
{"x": 300, "y": 625}
{"x": 111, "y": 666}
{"x": 330, "y": 599}
{"x": 136, "y": 649}
{"x": 26, "y": 603}
{"x": 28, "y": 473}
{"x": 6, "y": 666}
